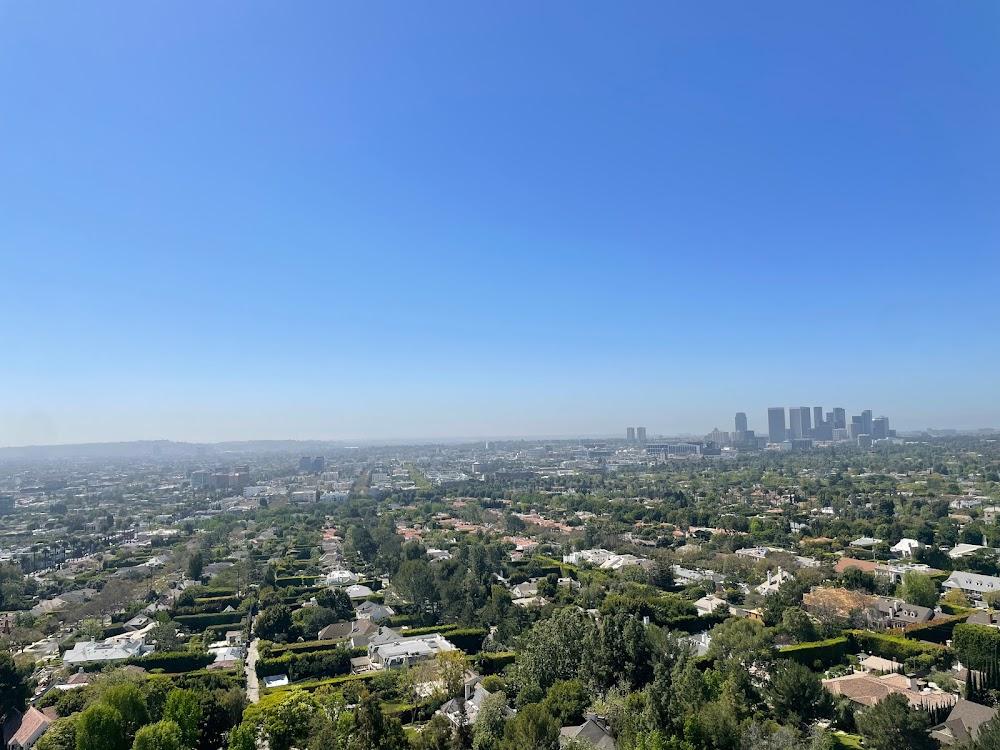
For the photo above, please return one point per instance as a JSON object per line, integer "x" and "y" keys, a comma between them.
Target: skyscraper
{"x": 866, "y": 422}
{"x": 817, "y": 416}
{"x": 741, "y": 422}
{"x": 776, "y": 424}
{"x": 640, "y": 434}
{"x": 806, "y": 421}
{"x": 630, "y": 434}
{"x": 797, "y": 417}
{"x": 839, "y": 418}
{"x": 880, "y": 428}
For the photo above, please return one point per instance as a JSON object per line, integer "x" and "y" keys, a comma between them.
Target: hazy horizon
{"x": 237, "y": 220}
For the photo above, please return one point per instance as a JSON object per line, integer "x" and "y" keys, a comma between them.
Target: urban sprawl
{"x": 824, "y": 583}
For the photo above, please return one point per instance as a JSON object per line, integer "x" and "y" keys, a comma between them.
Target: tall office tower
{"x": 741, "y": 422}
{"x": 776, "y": 424}
{"x": 806, "y": 421}
{"x": 839, "y": 418}
{"x": 817, "y": 416}
{"x": 829, "y": 419}
{"x": 630, "y": 434}
{"x": 305, "y": 463}
{"x": 797, "y": 417}
{"x": 318, "y": 465}
{"x": 855, "y": 428}
{"x": 880, "y": 428}
{"x": 640, "y": 434}
{"x": 866, "y": 422}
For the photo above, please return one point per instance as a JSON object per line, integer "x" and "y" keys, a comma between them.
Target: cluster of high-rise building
{"x": 308, "y": 465}
{"x": 221, "y": 479}
{"x": 635, "y": 435}
{"x": 804, "y": 423}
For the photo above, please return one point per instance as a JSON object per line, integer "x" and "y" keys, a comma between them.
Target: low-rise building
{"x": 973, "y": 585}
{"x": 389, "y": 650}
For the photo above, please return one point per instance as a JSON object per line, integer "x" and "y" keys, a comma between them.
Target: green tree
{"x": 128, "y": 701}
{"x": 274, "y": 622}
{"x": 566, "y": 701}
{"x": 91, "y": 629}
{"x": 163, "y": 735}
{"x": 797, "y": 694}
{"x": 373, "y": 730}
{"x": 892, "y": 724}
{"x": 15, "y": 688}
{"x": 740, "y": 643}
{"x": 553, "y": 649}
{"x": 184, "y": 709}
{"x": 798, "y": 625}
{"x": 918, "y": 589}
{"x": 487, "y": 732}
{"x": 61, "y": 735}
{"x": 196, "y": 565}
{"x": 100, "y": 727}
{"x": 336, "y": 600}
{"x": 533, "y": 728}
{"x": 164, "y": 636}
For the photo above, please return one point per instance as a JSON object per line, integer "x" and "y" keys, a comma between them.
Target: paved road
{"x": 253, "y": 688}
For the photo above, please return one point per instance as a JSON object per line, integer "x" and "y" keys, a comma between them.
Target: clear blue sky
{"x": 228, "y": 220}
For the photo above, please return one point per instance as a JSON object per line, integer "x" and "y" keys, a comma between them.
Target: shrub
{"x": 827, "y": 653}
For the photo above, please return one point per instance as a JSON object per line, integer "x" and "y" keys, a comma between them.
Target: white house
{"x": 906, "y": 547}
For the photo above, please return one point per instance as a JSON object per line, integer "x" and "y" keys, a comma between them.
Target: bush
{"x": 198, "y": 623}
{"x": 173, "y": 661}
{"x": 330, "y": 663}
{"x": 936, "y": 631}
{"x": 303, "y": 580}
{"x": 493, "y": 663}
{"x": 901, "y": 649}
{"x": 825, "y": 653}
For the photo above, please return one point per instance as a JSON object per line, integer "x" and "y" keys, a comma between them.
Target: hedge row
{"x": 825, "y": 653}
{"x": 305, "y": 647}
{"x": 899, "y": 648}
{"x": 936, "y": 631}
{"x": 331, "y": 682}
{"x": 171, "y": 661}
{"x": 303, "y": 580}
{"x": 494, "y": 662}
{"x": 198, "y": 623}
{"x": 304, "y": 666}
{"x": 978, "y": 646}
{"x": 210, "y": 606}
{"x": 693, "y": 623}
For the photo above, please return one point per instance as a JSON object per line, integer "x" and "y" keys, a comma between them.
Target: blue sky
{"x": 237, "y": 220}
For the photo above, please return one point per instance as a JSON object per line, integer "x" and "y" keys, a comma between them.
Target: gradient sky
{"x": 238, "y": 220}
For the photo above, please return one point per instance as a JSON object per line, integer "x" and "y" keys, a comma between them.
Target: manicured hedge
{"x": 211, "y": 604}
{"x": 978, "y": 646}
{"x": 306, "y": 647}
{"x": 494, "y": 662}
{"x": 899, "y": 648}
{"x": 936, "y": 631}
{"x": 827, "y": 653}
{"x": 693, "y": 623}
{"x": 303, "y": 580}
{"x": 173, "y": 661}
{"x": 197, "y": 623}
{"x": 470, "y": 640}
{"x": 304, "y": 666}
{"x": 331, "y": 682}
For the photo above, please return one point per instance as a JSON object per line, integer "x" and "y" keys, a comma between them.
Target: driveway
{"x": 253, "y": 688}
